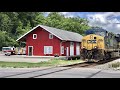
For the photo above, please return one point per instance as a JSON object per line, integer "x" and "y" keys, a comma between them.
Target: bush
{"x": 115, "y": 65}
{"x": 73, "y": 57}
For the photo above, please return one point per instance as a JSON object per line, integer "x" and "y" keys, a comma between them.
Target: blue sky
{"x": 108, "y": 20}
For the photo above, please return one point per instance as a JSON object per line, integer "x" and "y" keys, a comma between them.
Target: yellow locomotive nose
{"x": 93, "y": 41}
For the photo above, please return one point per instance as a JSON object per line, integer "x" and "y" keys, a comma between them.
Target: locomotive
{"x": 99, "y": 44}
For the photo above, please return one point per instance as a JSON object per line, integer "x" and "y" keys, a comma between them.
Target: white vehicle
{"x": 8, "y": 51}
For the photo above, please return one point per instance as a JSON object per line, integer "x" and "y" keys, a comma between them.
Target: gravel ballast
{"x": 107, "y": 66}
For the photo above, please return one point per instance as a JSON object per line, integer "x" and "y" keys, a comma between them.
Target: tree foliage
{"x": 15, "y": 24}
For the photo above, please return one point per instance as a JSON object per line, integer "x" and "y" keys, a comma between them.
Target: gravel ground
{"x": 106, "y": 66}
{"x": 21, "y": 58}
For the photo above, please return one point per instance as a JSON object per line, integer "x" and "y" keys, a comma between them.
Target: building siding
{"x": 66, "y": 44}
{"x": 41, "y": 41}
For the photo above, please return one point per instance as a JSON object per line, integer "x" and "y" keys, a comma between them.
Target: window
{"x": 50, "y": 36}
{"x": 62, "y": 50}
{"x": 34, "y": 36}
{"x": 48, "y": 50}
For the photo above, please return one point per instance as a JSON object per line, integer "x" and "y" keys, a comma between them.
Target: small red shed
{"x": 48, "y": 41}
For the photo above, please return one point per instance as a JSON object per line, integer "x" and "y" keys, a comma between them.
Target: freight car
{"x": 99, "y": 44}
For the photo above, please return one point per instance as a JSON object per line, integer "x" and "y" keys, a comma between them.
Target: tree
{"x": 5, "y": 40}
{"x": 5, "y": 23}
{"x": 15, "y": 24}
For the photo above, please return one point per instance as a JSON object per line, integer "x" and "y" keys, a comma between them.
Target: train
{"x": 99, "y": 44}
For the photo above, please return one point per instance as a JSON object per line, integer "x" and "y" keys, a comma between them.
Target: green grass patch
{"x": 50, "y": 63}
{"x": 114, "y": 65}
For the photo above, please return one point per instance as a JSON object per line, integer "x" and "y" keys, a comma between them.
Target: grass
{"x": 114, "y": 65}
{"x": 50, "y": 63}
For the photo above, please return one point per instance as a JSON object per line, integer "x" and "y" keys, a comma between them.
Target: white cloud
{"x": 107, "y": 20}
{"x": 68, "y": 14}
{"x": 118, "y": 26}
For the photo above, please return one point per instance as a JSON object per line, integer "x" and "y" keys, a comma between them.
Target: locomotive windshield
{"x": 97, "y": 31}
{"x": 100, "y": 33}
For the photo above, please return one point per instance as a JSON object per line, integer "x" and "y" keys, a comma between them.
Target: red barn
{"x": 49, "y": 41}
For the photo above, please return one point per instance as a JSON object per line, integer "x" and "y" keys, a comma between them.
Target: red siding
{"x": 41, "y": 41}
{"x": 66, "y": 44}
{"x": 74, "y": 48}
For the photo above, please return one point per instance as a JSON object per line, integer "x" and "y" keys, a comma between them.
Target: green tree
{"x": 74, "y": 24}
{"x": 15, "y": 24}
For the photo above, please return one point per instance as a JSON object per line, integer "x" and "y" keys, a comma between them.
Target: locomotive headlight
{"x": 95, "y": 47}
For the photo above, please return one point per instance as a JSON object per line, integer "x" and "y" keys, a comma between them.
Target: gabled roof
{"x": 61, "y": 34}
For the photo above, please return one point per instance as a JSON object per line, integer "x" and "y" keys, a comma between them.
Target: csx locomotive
{"x": 99, "y": 44}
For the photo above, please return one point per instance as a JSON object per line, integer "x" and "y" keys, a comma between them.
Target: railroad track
{"x": 37, "y": 73}
{"x": 90, "y": 64}
{"x": 47, "y": 71}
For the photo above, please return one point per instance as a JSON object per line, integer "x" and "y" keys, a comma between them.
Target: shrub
{"x": 114, "y": 65}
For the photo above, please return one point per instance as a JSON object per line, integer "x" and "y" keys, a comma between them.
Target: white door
{"x": 67, "y": 51}
{"x": 77, "y": 48}
{"x": 71, "y": 48}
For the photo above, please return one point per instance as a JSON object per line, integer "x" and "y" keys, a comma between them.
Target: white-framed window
{"x": 34, "y": 36}
{"x": 62, "y": 49}
{"x": 48, "y": 49}
{"x": 50, "y": 36}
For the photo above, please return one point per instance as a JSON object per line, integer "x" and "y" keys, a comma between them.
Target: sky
{"x": 107, "y": 20}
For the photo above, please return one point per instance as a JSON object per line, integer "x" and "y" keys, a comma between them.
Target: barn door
{"x": 71, "y": 48}
{"x": 77, "y": 48}
{"x": 30, "y": 50}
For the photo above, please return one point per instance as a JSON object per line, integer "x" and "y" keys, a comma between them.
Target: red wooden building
{"x": 49, "y": 41}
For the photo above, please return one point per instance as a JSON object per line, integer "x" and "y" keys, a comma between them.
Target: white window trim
{"x": 62, "y": 47}
{"x": 50, "y": 35}
{"x": 28, "y": 50}
{"x": 48, "y": 53}
{"x": 34, "y": 35}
